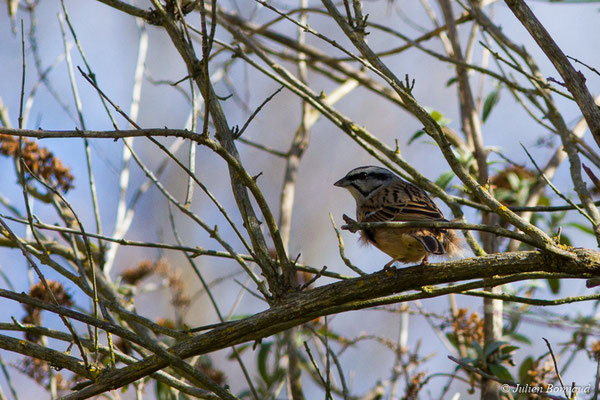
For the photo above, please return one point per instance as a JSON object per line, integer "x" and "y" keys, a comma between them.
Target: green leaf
{"x": 513, "y": 319}
{"x": 500, "y": 371}
{"x": 451, "y": 81}
{"x": 279, "y": 375}
{"x": 444, "y": 179}
{"x": 509, "y": 349}
{"x": 526, "y": 365}
{"x": 261, "y": 361}
{"x": 554, "y": 285}
{"x": 490, "y": 101}
{"x": 451, "y": 336}
{"x": 240, "y": 349}
{"x": 581, "y": 227}
{"x": 439, "y": 118}
{"x": 416, "y": 135}
{"x": 162, "y": 391}
{"x": 490, "y": 348}
{"x": 478, "y": 349}
{"x": 245, "y": 394}
{"x": 519, "y": 338}
{"x": 543, "y": 201}
{"x": 330, "y": 334}
{"x": 436, "y": 115}
{"x": 564, "y": 239}
{"x": 470, "y": 361}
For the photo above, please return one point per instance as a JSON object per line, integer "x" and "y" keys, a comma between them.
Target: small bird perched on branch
{"x": 382, "y": 196}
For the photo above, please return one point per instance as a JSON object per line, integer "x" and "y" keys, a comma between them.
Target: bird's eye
{"x": 362, "y": 175}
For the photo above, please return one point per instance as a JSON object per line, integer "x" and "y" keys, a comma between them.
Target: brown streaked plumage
{"x": 383, "y": 196}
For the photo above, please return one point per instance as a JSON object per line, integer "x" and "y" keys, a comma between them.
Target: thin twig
{"x": 214, "y": 304}
{"x": 555, "y": 189}
{"x": 23, "y": 69}
{"x": 345, "y": 259}
{"x": 255, "y": 113}
{"x": 78, "y": 106}
{"x": 527, "y": 300}
{"x": 562, "y": 384}
{"x": 316, "y": 367}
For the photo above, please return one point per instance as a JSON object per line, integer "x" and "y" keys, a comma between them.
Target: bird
{"x": 382, "y": 196}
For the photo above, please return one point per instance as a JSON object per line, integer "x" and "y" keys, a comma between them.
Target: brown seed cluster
{"x": 166, "y": 323}
{"x": 595, "y": 350}
{"x": 180, "y": 298}
{"x": 39, "y": 160}
{"x": 135, "y": 274}
{"x": 33, "y": 314}
{"x": 39, "y": 370}
{"x": 124, "y": 346}
{"x": 204, "y": 365}
{"x": 541, "y": 373}
{"x": 162, "y": 268}
{"x": 414, "y": 386}
{"x": 470, "y": 327}
{"x": 304, "y": 277}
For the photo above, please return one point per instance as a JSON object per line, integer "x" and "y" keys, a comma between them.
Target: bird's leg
{"x": 388, "y": 266}
{"x": 425, "y": 261}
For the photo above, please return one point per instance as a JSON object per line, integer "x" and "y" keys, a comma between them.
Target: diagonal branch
{"x": 573, "y": 79}
{"x": 226, "y": 140}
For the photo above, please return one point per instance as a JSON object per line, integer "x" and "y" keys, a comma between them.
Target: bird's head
{"x": 363, "y": 181}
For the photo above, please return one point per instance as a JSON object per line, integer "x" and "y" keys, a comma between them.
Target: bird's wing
{"x": 400, "y": 201}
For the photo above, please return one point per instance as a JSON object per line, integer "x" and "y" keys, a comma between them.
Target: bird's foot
{"x": 349, "y": 224}
{"x": 389, "y": 266}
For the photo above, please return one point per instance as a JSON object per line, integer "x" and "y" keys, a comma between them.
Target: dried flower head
{"x": 595, "y": 350}
{"x": 135, "y": 274}
{"x": 33, "y": 314}
{"x": 414, "y": 386}
{"x": 304, "y": 277}
{"x": 205, "y": 366}
{"x": 176, "y": 284}
{"x": 39, "y": 160}
{"x": 124, "y": 346}
{"x": 166, "y": 323}
{"x": 39, "y": 291}
{"x": 542, "y": 373}
{"x": 469, "y": 327}
{"x": 39, "y": 370}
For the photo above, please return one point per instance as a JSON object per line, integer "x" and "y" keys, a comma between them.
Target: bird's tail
{"x": 454, "y": 245}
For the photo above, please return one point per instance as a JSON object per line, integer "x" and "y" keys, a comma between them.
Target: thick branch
{"x": 305, "y": 306}
{"x": 55, "y": 358}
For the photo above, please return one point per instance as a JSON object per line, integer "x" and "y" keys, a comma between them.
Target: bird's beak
{"x": 342, "y": 182}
